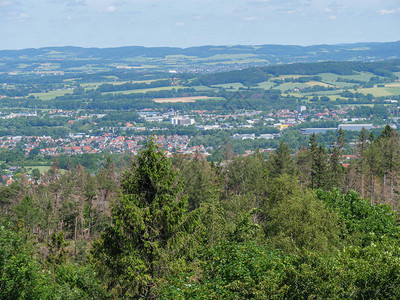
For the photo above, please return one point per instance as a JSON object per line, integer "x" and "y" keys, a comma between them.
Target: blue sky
{"x": 185, "y": 23}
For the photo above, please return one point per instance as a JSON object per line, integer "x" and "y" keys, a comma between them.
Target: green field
{"x": 51, "y": 94}
{"x": 42, "y": 169}
{"x": 266, "y": 85}
{"x": 393, "y": 90}
{"x": 235, "y": 85}
{"x": 164, "y": 88}
{"x": 342, "y": 85}
{"x": 376, "y": 92}
{"x": 203, "y": 88}
{"x": 289, "y": 86}
{"x": 330, "y": 77}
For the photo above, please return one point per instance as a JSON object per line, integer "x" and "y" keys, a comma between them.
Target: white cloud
{"x": 19, "y": 17}
{"x": 332, "y": 18}
{"x": 180, "y": 24}
{"x": 6, "y": 3}
{"x": 111, "y": 9}
{"x": 249, "y": 19}
{"x": 389, "y": 11}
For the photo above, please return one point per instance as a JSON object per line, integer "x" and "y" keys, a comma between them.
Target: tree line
{"x": 309, "y": 225}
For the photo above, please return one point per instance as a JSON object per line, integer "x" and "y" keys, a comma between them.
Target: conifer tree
{"x": 362, "y": 165}
{"x": 303, "y": 164}
{"x": 336, "y": 169}
{"x": 388, "y": 145}
{"x": 280, "y": 162}
{"x": 318, "y": 163}
{"x": 150, "y": 234}
{"x": 228, "y": 151}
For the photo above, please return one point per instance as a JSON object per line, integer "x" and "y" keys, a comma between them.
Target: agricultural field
{"x": 51, "y": 94}
{"x": 266, "y": 85}
{"x": 164, "y": 88}
{"x": 42, "y": 169}
{"x": 314, "y": 83}
{"x": 91, "y": 85}
{"x": 381, "y": 91}
{"x": 181, "y": 99}
{"x": 290, "y": 86}
{"x": 233, "y": 86}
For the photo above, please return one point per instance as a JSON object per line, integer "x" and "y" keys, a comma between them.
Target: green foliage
{"x": 26, "y": 212}
{"x": 354, "y": 273}
{"x": 20, "y": 275}
{"x": 78, "y": 282}
{"x": 247, "y": 176}
{"x": 296, "y": 219}
{"x": 150, "y": 232}
{"x": 318, "y": 158}
{"x": 280, "y": 162}
{"x": 199, "y": 182}
{"x": 231, "y": 271}
{"x": 362, "y": 223}
{"x": 57, "y": 252}
{"x": 249, "y": 271}
{"x": 245, "y": 228}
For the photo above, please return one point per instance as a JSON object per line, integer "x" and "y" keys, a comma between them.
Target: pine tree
{"x": 149, "y": 236}
{"x": 362, "y": 165}
{"x": 280, "y": 162}
{"x": 373, "y": 160}
{"x": 228, "y": 151}
{"x": 388, "y": 144}
{"x": 336, "y": 170}
{"x": 303, "y": 164}
{"x": 318, "y": 164}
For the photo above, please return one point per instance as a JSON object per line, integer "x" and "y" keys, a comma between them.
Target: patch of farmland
{"x": 51, "y": 94}
{"x": 266, "y": 85}
{"x": 376, "y": 92}
{"x": 393, "y": 90}
{"x": 291, "y": 85}
{"x": 164, "y": 88}
{"x": 229, "y": 86}
{"x": 313, "y": 83}
{"x": 181, "y": 99}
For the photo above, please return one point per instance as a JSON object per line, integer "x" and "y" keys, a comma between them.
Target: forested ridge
{"x": 312, "y": 224}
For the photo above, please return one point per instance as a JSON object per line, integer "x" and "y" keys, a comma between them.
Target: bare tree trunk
{"x": 372, "y": 189}
{"x": 362, "y": 186}
{"x": 90, "y": 219}
{"x": 392, "y": 192}
{"x": 384, "y": 187}
{"x": 76, "y": 225}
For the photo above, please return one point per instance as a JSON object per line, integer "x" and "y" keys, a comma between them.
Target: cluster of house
{"x": 77, "y": 144}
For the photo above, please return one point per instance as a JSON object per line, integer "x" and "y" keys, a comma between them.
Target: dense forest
{"x": 317, "y": 224}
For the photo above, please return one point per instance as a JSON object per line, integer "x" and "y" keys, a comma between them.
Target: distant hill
{"x": 255, "y": 75}
{"x": 270, "y": 53}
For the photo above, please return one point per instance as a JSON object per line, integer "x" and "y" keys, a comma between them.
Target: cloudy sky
{"x": 185, "y": 23}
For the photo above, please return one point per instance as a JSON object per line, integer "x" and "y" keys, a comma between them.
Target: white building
{"x": 182, "y": 120}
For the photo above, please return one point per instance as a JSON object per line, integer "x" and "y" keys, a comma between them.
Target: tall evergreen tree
{"x": 336, "y": 170}
{"x": 388, "y": 144}
{"x": 303, "y": 165}
{"x": 374, "y": 162}
{"x": 149, "y": 236}
{"x": 362, "y": 165}
{"x": 318, "y": 158}
{"x": 280, "y": 162}
{"x": 228, "y": 151}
